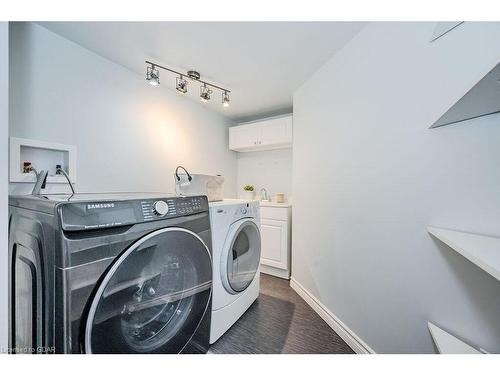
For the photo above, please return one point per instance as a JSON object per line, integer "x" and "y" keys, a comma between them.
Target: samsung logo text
{"x": 100, "y": 205}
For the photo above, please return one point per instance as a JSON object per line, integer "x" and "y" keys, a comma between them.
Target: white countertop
{"x": 261, "y": 203}
{"x": 275, "y": 204}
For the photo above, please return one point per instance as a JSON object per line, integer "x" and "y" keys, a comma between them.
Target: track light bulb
{"x": 152, "y": 76}
{"x": 225, "y": 99}
{"x": 181, "y": 85}
{"x": 205, "y": 93}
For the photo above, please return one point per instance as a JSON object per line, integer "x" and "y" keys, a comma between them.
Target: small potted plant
{"x": 248, "y": 191}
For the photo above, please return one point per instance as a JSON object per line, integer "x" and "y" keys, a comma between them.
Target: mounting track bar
{"x": 186, "y": 76}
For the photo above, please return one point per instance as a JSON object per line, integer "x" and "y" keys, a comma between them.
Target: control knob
{"x": 160, "y": 208}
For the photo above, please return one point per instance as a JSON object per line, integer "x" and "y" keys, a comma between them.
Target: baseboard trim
{"x": 283, "y": 274}
{"x": 351, "y": 339}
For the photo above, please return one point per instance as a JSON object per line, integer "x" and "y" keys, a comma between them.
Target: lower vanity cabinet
{"x": 275, "y": 228}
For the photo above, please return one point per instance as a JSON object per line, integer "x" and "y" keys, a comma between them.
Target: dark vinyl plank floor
{"x": 279, "y": 322}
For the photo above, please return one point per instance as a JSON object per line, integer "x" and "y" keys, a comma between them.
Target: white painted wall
{"x": 271, "y": 170}
{"x": 360, "y": 244}
{"x": 4, "y": 121}
{"x": 130, "y": 136}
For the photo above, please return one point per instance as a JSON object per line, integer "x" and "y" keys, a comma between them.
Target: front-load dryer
{"x": 119, "y": 273}
{"x": 236, "y": 247}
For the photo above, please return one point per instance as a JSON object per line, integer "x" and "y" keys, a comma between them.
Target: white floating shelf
{"x": 449, "y": 344}
{"x": 443, "y": 28}
{"x": 483, "y": 251}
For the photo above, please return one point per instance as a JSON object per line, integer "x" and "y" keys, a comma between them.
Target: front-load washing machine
{"x": 95, "y": 273}
{"x": 236, "y": 257}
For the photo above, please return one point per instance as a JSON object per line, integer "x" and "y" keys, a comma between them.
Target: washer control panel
{"x": 190, "y": 205}
{"x": 92, "y": 215}
{"x": 179, "y": 206}
{"x": 155, "y": 209}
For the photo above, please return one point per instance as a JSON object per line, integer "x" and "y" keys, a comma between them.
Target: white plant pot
{"x": 247, "y": 195}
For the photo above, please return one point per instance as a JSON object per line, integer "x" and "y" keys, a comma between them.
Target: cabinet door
{"x": 276, "y": 132}
{"x": 243, "y": 137}
{"x": 274, "y": 246}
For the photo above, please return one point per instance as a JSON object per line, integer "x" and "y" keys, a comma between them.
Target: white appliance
{"x": 236, "y": 248}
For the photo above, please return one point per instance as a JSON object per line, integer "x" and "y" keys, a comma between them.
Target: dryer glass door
{"x": 153, "y": 297}
{"x": 242, "y": 256}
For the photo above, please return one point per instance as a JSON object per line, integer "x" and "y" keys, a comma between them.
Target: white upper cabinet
{"x": 242, "y": 137}
{"x": 277, "y": 132}
{"x": 267, "y": 134}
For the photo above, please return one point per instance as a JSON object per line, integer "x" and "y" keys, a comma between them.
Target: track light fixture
{"x": 225, "y": 99}
{"x": 205, "y": 93}
{"x": 181, "y": 84}
{"x": 153, "y": 78}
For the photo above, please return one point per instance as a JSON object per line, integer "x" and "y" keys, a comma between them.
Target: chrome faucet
{"x": 265, "y": 196}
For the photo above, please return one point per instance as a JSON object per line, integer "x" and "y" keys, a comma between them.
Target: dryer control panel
{"x": 78, "y": 215}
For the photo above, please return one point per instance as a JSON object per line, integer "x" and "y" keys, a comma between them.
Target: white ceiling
{"x": 262, "y": 63}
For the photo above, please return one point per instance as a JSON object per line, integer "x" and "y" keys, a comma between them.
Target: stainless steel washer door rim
{"x": 122, "y": 263}
{"x": 240, "y": 256}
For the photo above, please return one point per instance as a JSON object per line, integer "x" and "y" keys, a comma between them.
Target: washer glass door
{"x": 241, "y": 256}
{"x": 153, "y": 297}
